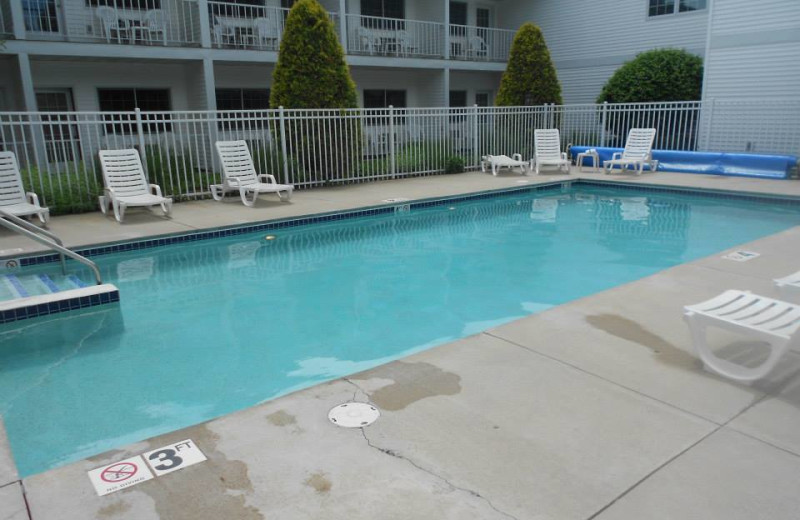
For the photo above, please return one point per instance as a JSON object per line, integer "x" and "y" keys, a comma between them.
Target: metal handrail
{"x": 27, "y": 229}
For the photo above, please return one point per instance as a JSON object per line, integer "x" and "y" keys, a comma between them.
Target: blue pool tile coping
{"x": 60, "y": 304}
{"x": 391, "y": 208}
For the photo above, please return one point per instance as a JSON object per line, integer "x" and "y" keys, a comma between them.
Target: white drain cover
{"x": 353, "y": 415}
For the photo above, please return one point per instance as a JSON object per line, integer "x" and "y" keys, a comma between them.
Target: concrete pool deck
{"x": 593, "y": 409}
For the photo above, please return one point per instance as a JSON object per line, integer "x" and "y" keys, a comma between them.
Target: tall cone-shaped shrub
{"x": 530, "y": 77}
{"x": 312, "y": 73}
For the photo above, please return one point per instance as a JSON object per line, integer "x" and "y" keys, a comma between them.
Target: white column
{"x": 343, "y": 23}
{"x": 446, "y": 83}
{"x": 26, "y": 80}
{"x": 205, "y": 26}
{"x": 447, "y": 30}
{"x": 18, "y": 20}
{"x": 209, "y": 84}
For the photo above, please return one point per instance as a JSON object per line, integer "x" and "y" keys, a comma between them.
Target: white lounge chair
{"x": 126, "y": 185}
{"x": 113, "y": 26}
{"x": 503, "y": 161}
{"x": 638, "y": 152}
{"x": 774, "y": 322}
{"x": 239, "y": 174}
{"x": 13, "y": 197}
{"x": 789, "y": 287}
{"x": 548, "y": 150}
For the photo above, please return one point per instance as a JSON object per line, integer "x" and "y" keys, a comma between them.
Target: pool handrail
{"x": 46, "y": 238}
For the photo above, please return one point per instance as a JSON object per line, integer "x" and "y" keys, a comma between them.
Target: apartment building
{"x": 111, "y": 55}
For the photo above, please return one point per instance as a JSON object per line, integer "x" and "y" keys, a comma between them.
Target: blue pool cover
{"x": 714, "y": 163}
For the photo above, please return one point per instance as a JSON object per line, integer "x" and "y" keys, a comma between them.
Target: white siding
{"x": 230, "y": 75}
{"x": 424, "y": 88}
{"x": 754, "y": 50}
{"x": 588, "y": 41}
{"x": 85, "y": 77}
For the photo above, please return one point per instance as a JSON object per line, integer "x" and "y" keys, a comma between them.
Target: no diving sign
{"x": 129, "y": 472}
{"x": 120, "y": 475}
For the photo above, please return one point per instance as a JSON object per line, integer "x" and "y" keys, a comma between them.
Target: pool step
{"x": 13, "y": 286}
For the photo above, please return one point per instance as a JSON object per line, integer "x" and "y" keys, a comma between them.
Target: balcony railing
{"x": 124, "y": 22}
{"x": 479, "y": 43}
{"x": 244, "y": 26}
{"x": 375, "y": 36}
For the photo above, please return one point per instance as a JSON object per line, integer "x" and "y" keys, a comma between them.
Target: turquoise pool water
{"x": 207, "y": 328}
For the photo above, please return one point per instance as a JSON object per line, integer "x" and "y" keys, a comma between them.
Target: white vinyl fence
{"x": 57, "y": 151}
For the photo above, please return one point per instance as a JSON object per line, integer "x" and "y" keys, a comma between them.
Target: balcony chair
{"x": 13, "y": 197}
{"x": 478, "y": 50}
{"x": 368, "y": 40}
{"x": 126, "y": 184}
{"x": 769, "y": 321}
{"x": 224, "y": 33}
{"x": 113, "y": 26}
{"x": 239, "y": 174}
{"x": 548, "y": 150}
{"x": 266, "y": 32}
{"x": 638, "y": 152}
{"x": 154, "y": 27}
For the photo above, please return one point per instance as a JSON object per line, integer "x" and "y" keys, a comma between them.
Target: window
{"x": 482, "y": 99}
{"x": 383, "y": 8}
{"x": 458, "y": 16}
{"x": 127, "y": 100}
{"x": 458, "y": 99}
{"x": 242, "y": 99}
{"x": 384, "y": 98}
{"x": 126, "y": 4}
{"x": 661, "y": 7}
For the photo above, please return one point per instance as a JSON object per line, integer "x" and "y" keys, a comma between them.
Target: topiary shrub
{"x": 656, "y": 75}
{"x": 312, "y": 73}
{"x": 530, "y": 77}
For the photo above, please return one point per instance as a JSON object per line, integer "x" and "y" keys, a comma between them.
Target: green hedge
{"x": 74, "y": 189}
{"x": 656, "y": 75}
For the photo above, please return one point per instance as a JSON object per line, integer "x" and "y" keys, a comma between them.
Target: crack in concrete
{"x": 358, "y": 389}
{"x": 395, "y": 454}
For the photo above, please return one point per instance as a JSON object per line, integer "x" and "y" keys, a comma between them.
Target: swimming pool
{"x": 206, "y": 328}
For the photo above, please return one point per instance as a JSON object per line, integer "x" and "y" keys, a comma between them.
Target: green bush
{"x": 312, "y": 73}
{"x": 422, "y": 156}
{"x": 176, "y": 174}
{"x": 656, "y": 75}
{"x": 72, "y": 188}
{"x": 454, "y": 164}
{"x": 530, "y": 77}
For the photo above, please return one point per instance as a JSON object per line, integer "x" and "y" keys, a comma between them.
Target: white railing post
{"x": 475, "y": 138}
{"x": 392, "y": 161}
{"x": 140, "y": 135}
{"x": 710, "y": 124}
{"x": 603, "y": 119}
{"x": 446, "y": 29}
{"x": 205, "y": 24}
{"x": 343, "y": 24}
{"x": 283, "y": 145}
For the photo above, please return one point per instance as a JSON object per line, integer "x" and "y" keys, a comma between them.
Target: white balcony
{"x": 479, "y": 43}
{"x": 375, "y": 36}
{"x": 124, "y": 22}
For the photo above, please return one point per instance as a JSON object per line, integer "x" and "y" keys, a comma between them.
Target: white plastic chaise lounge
{"x": 773, "y": 322}
{"x": 126, "y": 185}
{"x": 789, "y": 287}
{"x": 239, "y": 174}
{"x": 13, "y": 197}
{"x": 503, "y": 161}
{"x": 548, "y": 150}
{"x": 638, "y": 152}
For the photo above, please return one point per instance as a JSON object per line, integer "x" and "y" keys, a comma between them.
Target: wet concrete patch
{"x": 634, "y": 332}
{"x": 113, "y": 510}
{"x": 319, "y": 482}
{"x": 281, "y": 418}
{"x": 412, "y": 382}
{"x": 218, "y": 488}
